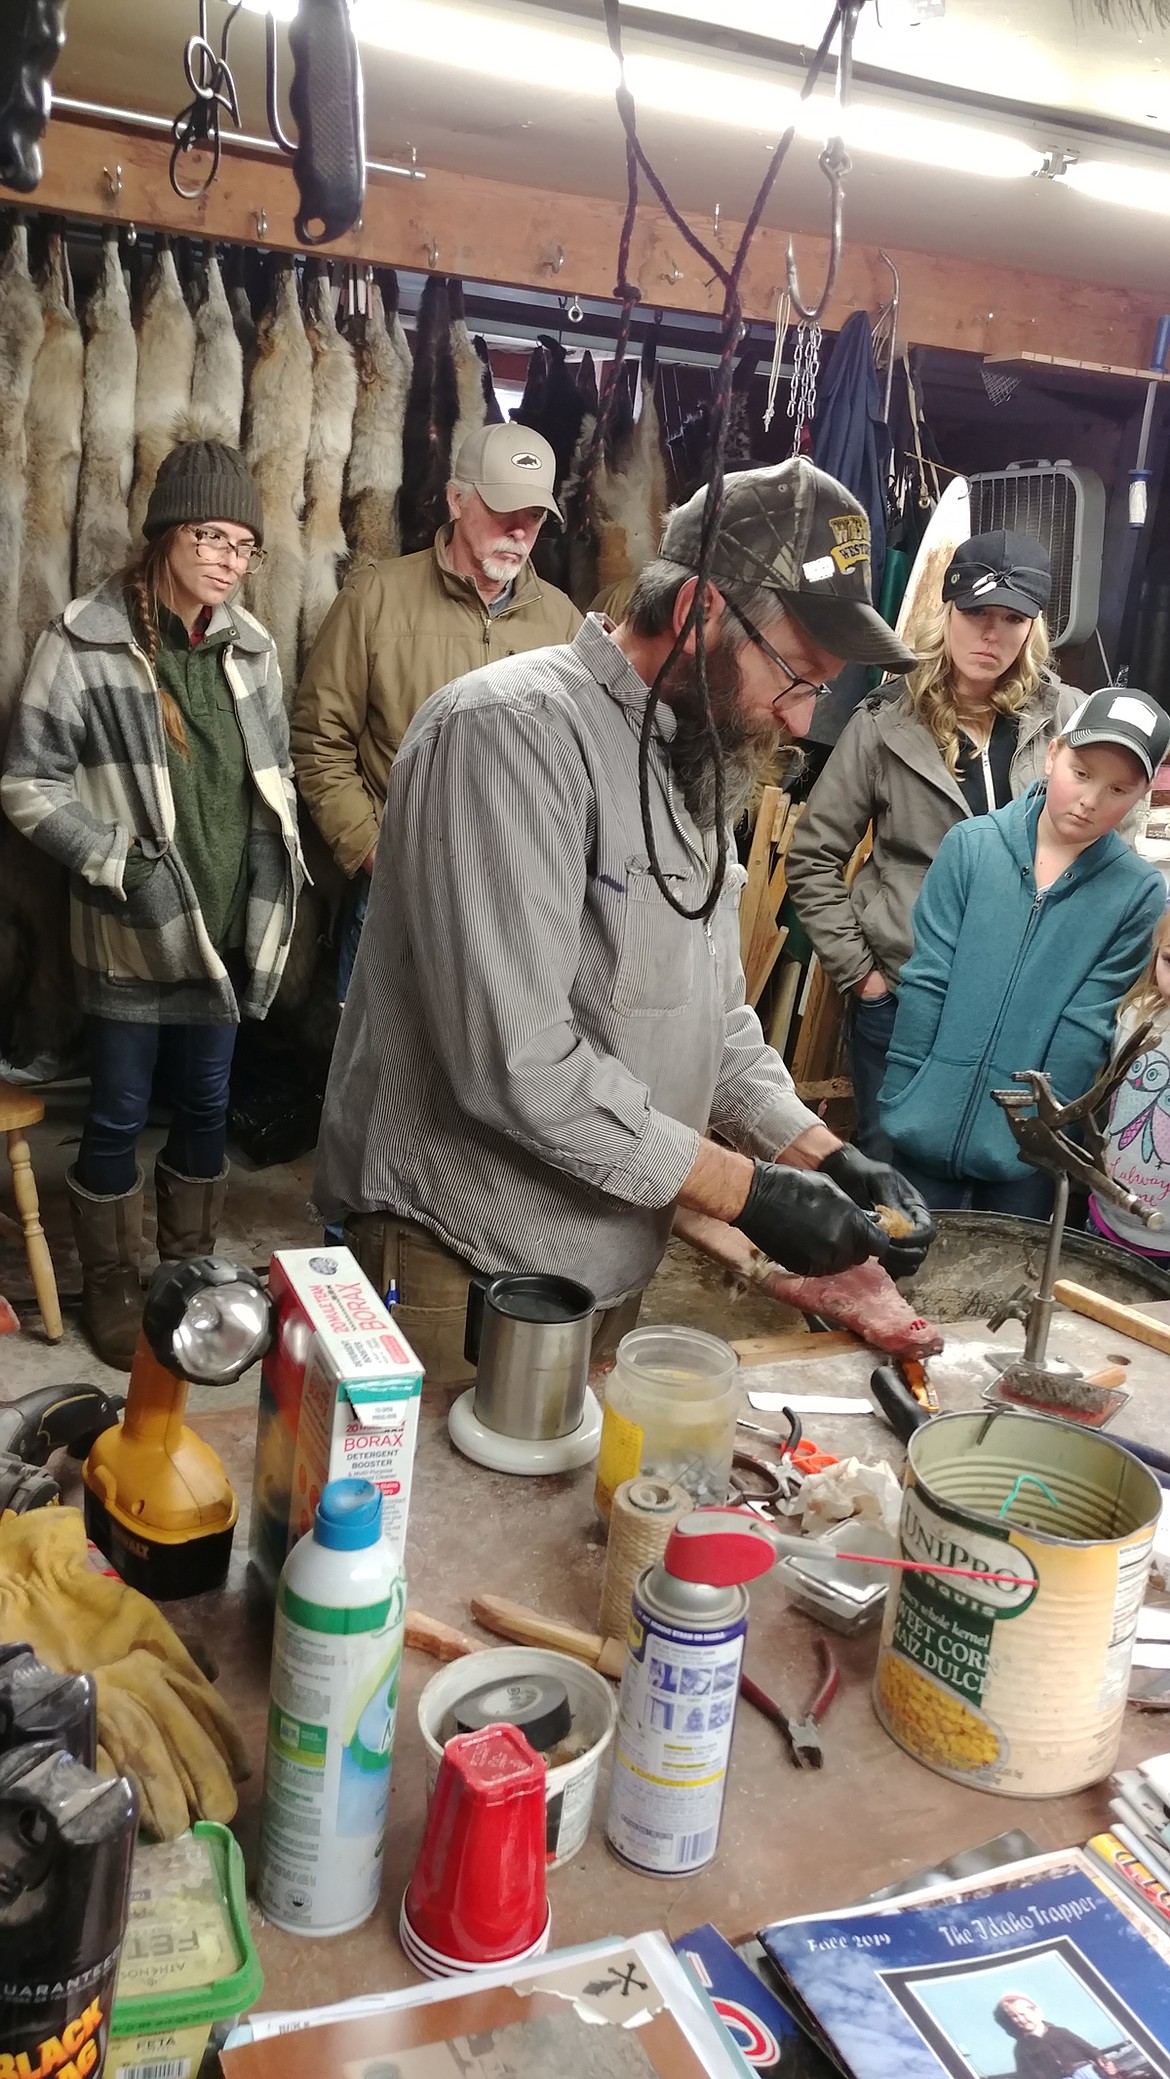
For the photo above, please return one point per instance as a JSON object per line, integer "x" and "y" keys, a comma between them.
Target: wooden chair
{"x": 20, "y": 1108}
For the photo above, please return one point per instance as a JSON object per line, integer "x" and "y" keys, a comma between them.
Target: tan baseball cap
{"x": 798, "y": 532}
{"x": 511, "y": 467}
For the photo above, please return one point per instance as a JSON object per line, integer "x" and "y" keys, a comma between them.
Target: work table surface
{"x": 793, "y": 1839}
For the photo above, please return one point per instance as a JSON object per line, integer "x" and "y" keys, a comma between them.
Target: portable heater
{"x": 1065, "y": 509}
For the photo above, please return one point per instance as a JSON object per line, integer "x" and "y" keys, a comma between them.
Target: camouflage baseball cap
{"x": 806, "y": 538}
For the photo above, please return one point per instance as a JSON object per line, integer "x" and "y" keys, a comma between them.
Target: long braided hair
{"x": 145, "y": 580}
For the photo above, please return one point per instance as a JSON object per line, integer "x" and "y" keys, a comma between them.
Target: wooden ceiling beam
{"x": 490, "y": 231}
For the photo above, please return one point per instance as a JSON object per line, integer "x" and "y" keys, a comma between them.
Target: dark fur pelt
{"x": 39, "y": 1018}
{"x": 432, "y": 410}
{"x": 582, "y": 547}
{"x": 554, "y": 405}
{"x": 493, "y": 415}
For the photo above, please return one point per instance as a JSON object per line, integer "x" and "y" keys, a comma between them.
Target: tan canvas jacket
{"x": 887, "y": 770}
{"x": 398, "y": 631}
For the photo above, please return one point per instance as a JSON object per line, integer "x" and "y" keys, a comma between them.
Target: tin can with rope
{"x": 1016, "y": 1686}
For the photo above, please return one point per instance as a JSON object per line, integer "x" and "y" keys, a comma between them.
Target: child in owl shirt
{"x": 1137, "y": 1138}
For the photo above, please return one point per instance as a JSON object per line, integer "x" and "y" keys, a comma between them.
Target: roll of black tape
{"x": 538, "y": 1704}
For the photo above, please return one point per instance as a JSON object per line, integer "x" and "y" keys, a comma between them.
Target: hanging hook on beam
{"x": 834, "y": 164}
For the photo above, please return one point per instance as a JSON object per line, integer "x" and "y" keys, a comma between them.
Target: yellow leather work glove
{"x": 159, "y": 1719}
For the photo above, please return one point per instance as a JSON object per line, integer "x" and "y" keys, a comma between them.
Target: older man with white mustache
{"x": 406, "y": 625}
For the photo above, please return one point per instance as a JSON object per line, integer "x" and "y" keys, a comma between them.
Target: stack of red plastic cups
{"x": 478, "y": 1893}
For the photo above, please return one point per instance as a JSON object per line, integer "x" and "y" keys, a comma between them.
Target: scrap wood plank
{"x": 760, "y": 937}
{"x": 772, "y": 1349}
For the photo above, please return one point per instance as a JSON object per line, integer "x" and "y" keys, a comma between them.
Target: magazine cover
{"x": 770, "y": 2042}
{"x": 612, "y": 2010}
{"x": 1034, "y": 1977}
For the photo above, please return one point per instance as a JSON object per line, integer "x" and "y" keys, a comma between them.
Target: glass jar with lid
{"x": 670, "y": 1408}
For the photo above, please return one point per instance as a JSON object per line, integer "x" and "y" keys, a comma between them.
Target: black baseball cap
{"x": 798, "y": 532}
{"x": 1000, "y": 569}
{"x": 1123, "y": 715}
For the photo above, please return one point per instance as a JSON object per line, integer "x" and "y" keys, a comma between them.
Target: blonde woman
{"x": 149, "y": 754}
{"x": 963, "y": 734}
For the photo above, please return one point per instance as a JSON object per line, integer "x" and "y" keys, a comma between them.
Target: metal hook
{"x": 131, "y": 234}
{"x": 431, "y": 249}
{"x": 261, "y": 223}
{"x": 574, "y": 312}
{"x": 675, "y": 275}
{"x": 554, "y": 265}
{"x": 834, "y": 163}
{"x": 113, "y": 181}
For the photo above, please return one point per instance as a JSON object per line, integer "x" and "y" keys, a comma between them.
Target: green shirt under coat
{"x": 209, "y": 781}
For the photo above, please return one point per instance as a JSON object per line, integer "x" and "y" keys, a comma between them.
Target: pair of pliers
{"x": 804, "y": 1740}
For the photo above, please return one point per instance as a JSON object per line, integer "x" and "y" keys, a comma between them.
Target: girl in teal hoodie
{"x": 1031, "y": 925}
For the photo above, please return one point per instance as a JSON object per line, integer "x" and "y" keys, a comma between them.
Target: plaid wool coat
{"x": 86, "y": 770}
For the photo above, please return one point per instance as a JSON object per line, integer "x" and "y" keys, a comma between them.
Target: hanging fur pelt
{"x": 469, "y": 374}
{"x": 52, "y": 423}
{"x": 280, "y": 408}
{"x": 330, "y": 432}
{"x": 630, "y": 491}
{"x": 373, "y": 476}
{"x": 582, "y": 585}
{"x": 493, "y": 416}
{"x": 166, "y": 356}
{"x": 217, "y": 374}
{"x": 431, "y": 412}
{"x": 22, "y": 328}
{"x": 107, "y": 425}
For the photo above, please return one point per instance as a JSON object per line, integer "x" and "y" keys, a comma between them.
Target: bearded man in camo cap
{"x": 537, "y": 1044}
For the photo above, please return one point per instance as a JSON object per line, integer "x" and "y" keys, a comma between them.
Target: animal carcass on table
{"x": 864, "y": 1299}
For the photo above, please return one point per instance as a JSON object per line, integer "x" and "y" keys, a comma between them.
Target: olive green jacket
{"x": 887, "y": 770}
{"x": 398, "y": 631}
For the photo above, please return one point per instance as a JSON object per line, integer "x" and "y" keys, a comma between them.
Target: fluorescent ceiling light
{"x": 1138, "y": 187}
{"x": 498, "y": 46}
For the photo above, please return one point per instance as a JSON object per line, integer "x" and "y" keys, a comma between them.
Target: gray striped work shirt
{"x": 533, "y": 1042}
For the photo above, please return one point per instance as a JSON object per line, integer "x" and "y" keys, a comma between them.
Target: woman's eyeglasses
{"x": 213, "y": 547}
{"x": 796, "y": 684}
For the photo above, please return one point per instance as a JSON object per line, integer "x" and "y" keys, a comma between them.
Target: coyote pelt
{"x": 373, "y": 476}
{"x": 469, "y": 375}
{"x": 280, "y": 407}
{"x": 52, "y": 423}
{"x": 22, "y": 328}
{"x": 217, "y": 374}
{"x": 107, "y": 425}
{"x": 330, "y": 433}
{"x": 431, "y": 412}
{"x": 630, "y": 492}
{"x": 166, "y": 356}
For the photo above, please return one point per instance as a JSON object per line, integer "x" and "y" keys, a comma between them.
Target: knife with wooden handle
{"x": 528, "y": 1628}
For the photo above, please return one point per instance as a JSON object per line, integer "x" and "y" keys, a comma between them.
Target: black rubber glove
{"x": 870, "y": 1184}
{"x": 800, "y": 1219}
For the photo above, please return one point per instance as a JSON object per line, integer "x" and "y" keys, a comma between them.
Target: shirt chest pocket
{"x": 656, "y": 949}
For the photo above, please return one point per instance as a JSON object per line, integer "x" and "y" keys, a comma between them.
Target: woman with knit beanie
{"x": 149, "y": 754}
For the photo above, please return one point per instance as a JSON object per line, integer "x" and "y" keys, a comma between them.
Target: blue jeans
{"x": 871, "y": 1028}
{"x": 1030, "y": 1198}
{"x": 195, "y": 1063}
{"x": 353, "y": 915}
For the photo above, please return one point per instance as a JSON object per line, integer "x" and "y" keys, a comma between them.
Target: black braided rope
{"x": 731, "y": 333}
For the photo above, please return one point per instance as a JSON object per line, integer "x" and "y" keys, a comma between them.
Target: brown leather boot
{"x": 189, "y": 1212}
{"x": 108, "y": 1234}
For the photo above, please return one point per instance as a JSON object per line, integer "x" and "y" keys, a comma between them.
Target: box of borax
{"x": 339, "y": 1400}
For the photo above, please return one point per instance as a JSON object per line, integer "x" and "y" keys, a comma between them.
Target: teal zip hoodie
{"x": 1003, "y": 978}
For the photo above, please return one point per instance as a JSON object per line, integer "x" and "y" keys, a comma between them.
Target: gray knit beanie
{"x": 203, "y": 480}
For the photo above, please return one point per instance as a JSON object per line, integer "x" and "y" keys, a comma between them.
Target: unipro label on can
{"x": 675, "y": 1721}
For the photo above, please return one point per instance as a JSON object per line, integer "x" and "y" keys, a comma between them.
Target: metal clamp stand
{"x": 1040, "y": 1127}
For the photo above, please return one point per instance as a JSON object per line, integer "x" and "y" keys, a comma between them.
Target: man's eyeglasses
{"x": 213, "y": 547}
{"x": 797, "y": 684}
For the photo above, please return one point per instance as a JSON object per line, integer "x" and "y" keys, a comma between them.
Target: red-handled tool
{"x": 804, "y": 1740}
